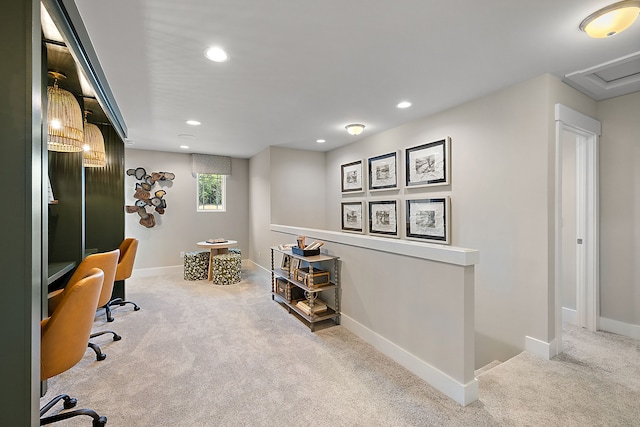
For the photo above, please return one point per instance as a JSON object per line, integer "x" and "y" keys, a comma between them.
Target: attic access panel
{"x": 614, "y": 78}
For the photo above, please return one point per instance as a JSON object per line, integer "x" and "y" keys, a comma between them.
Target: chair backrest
{"x": 128, "y": 249}
{"x": 64, "y": 335}
{"x": 105, "y": 261}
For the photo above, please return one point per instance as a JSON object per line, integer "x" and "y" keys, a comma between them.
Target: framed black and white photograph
{"x": 429, "y": 219}
{"x": 383, "y": 172}
{"x": 428, "y": 164}
{"x": 383, "y": 218}
{"x": 352, "y": 177}
{"x": 352, "y": 217}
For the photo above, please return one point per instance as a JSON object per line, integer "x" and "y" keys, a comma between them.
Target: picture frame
{"x": 286, "y": 262}
{"x": 383, "y": 172}
{"x": 295, "y": 264}
{"x": 353, "y": 217}
{"x": 429, "y": 219}
{"x": 383, "y": 217}
{"x": 428, "y": 164}
{"x": 351, "y": 177}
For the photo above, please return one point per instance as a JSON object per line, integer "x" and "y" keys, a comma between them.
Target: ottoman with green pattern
{"x": 226, "y": 268}
{"x": 196, "y": 265}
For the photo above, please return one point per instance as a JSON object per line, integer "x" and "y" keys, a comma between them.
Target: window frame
{"x": 223, "y": 185}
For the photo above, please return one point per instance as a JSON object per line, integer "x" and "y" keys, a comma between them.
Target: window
{"x": 211, "y": 192}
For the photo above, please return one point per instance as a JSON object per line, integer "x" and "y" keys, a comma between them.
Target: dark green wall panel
{"x": 104, "y": 189}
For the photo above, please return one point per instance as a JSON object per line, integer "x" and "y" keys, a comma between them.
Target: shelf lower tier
{"x": 283, "y": 275}
{"x": 330, "y": 314}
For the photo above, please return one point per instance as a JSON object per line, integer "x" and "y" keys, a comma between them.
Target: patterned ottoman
{"x": 226, "y": 268}
{"x": 196, "y": 265}
{"x": 235, "y": 251}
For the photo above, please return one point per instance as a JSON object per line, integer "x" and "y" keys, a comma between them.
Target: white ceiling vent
{"x": 614, "y": 78}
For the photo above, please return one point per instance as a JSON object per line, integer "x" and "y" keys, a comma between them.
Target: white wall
{"x": 260, "y": 207}
{"x": 181, "y": 226}
{"x": 620, "y": 208}
{"x": 287, "y": 186}
{"x": 297, "y": 190}
{"x": 498, "y": 203}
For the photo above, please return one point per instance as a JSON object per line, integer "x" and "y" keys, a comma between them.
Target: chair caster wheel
{"x": 101, "y": 357}
{"x": 70, "y": 403}
{"x": 117, "y": 337}
{"x": 100, "y": 422}
{"x": 136, "y": 308}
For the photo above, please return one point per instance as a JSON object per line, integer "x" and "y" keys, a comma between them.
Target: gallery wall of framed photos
{"x": 382, "y": 198}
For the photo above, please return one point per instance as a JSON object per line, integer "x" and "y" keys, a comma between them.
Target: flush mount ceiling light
{"x": 612, "y": 19}
{"x": 404, "y": 104}
{"x": 193, "y": 122}
{"x": 64, "y": 119}
{"x": 216, "y": 54}
{"x": 321, "y": 141}
{"x": 354, "y": 129}
{"x": 93, "y": 155}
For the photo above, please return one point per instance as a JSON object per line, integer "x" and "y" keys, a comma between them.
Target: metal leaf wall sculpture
{"x": 146, "y": 203}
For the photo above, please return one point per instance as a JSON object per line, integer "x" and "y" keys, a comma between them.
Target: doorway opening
{"x": 576, "y": 218}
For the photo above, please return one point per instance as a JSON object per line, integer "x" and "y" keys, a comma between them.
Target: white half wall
{"x": 414, "y": 302}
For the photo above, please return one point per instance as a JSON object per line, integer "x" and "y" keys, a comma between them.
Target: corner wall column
{"x": 22, "y": 165}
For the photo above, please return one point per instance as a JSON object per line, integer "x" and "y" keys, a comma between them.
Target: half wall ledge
{"x": 441, "y": 253}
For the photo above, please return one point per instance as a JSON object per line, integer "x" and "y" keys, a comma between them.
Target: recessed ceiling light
{"x": 184, "y": 147}
{"x": 193, "y": 122}
{"x": 216, "y": 54}
{"x": 320, "y": 141}
{"x": 186, "y": 136}
{"x": 404, "y": 104}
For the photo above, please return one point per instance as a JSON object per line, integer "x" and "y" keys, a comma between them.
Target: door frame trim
{"x": 589, "y": 130}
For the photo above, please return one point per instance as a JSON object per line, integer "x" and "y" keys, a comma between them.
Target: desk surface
{"x": 218, "y": 245}
{"x": 58, "y": 269}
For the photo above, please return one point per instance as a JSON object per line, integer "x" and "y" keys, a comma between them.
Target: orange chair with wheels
{"x": 128, "y": 249}
{"x": 63, "y": 340}
{"x": 107, "y": 262}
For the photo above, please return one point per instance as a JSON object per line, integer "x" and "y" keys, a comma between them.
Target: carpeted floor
{"x": 197, "y": 354}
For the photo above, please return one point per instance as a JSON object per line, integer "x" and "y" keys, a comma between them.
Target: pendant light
{"x": 64, "y": 119}
{"x": 93, "y": 155}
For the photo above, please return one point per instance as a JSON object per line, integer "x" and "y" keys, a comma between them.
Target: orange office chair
{"x": 107, "y": 262}
{"x": 128, "y": 249}
{"x": 63, "y": 340}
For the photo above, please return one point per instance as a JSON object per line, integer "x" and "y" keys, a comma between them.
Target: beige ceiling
{"x": 301, "y": 70}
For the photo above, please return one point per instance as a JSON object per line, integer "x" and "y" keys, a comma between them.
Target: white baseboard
{"x": 156, "y": 271}
{"x": 541, "y": 348}
{"x": 569, "y": 315}
{"x": 464, "y": 394}
{"x": 620, "y": 328}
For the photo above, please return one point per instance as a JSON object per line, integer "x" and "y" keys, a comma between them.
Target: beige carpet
{"x": 197, "y": 354}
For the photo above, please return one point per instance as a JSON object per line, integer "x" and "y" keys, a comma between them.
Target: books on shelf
{"x": 314, "y": 245}
{"x": 319, "y": 306}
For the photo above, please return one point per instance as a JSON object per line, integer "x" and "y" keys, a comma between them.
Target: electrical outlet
{"x": 182, "y": 255}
